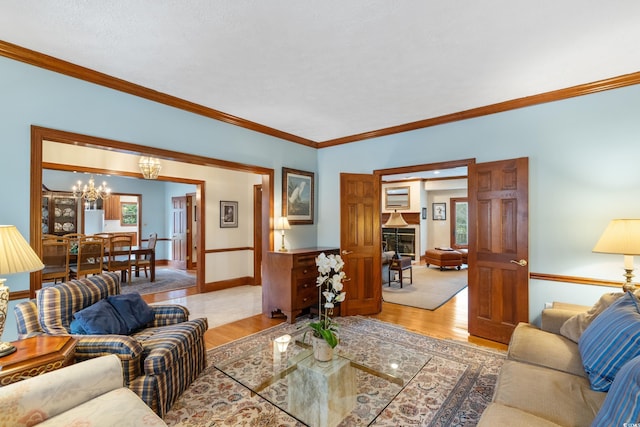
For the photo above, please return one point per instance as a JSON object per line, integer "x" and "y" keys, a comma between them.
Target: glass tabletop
{"x": 364, "y": 376}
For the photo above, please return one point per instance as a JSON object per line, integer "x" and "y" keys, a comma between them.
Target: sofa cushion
{"x": 497, "y": 415}
{"x": 612, "y": 339}
{"x": 558, "y": 397}
{"x": 622, "y": 405}
{"x": 100, "y": 318}
{"x": 135, "y": 312}
{"x": 532, "y": 345}
{"x": 576, "y": 325}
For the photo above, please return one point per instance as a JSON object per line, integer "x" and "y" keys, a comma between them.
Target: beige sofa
{"x": 543, "y": 382}
{"x": 89, "y": 393}
{"x": 387, "y": 256}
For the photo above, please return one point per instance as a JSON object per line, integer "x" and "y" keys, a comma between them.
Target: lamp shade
{"x": 16, "y": 255}
{"x": 396, "y": 220}
{"x": 283, "y": 224}
{"x": 622, "y": 236}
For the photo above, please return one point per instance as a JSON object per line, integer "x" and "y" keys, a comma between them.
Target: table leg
{"x": 152, "y": 266}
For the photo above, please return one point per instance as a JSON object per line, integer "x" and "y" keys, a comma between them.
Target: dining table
{"x": 137, "y": 251}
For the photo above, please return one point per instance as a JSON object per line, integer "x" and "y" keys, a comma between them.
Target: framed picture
{"x": 439, "y": 211}
{"x": 297, "y": 196}
{"x": 396, "y": 198}
{"x": 424, "y": 213}
{"x": 228, "y": 214}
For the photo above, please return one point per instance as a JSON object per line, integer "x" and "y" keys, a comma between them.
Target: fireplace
{"x": 406, "y": 241}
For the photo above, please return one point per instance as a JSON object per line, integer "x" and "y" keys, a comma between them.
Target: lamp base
{"x": 6, "y": 348}
{"x": 628, "y": 285}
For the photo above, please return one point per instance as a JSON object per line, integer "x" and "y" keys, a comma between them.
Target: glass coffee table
{"x": 365, "y": 375}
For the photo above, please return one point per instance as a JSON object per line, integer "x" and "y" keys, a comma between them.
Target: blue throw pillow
{"x": 135, "y": 312}
{"x": 98, "y": 319}
{"x": 611, "y": 340}
{"x": 622, "y": 405}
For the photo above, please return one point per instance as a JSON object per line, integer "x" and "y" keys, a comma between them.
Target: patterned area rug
{"x": 452, "y": 389}
{"x": 167, "y": 279}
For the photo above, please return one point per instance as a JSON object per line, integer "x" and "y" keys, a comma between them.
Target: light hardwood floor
{"x": 447, "y": 322}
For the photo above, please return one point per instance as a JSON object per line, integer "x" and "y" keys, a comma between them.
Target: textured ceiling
{"x": 328, "y": 69}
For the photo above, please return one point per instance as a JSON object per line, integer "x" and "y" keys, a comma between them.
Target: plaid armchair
{"x": 158, "y": 362}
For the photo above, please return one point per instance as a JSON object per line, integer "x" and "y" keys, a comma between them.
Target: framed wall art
{"x": 439, "y": 212}
{"x": 297, "y": 196}
{"x": 228, "y": 214}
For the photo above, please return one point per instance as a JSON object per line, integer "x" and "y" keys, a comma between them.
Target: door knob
{"x": 521, "y": 263}
{"x": 346, "y": 252}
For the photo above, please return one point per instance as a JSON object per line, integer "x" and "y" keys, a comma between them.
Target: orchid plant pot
{"x": 322, "y": 351}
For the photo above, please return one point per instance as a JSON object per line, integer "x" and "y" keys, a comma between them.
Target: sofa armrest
{"x": 58, "y": 391}
{"x": 169, "y": 314}
{"x": 554, "y": 318}
{"x": 123, "y": 346}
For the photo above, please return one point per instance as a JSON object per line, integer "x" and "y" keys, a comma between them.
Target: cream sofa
{"x": 88, "y": 394}
{"x": 543, "y": 381}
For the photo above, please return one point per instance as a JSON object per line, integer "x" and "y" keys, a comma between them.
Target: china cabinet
{"x": 59, "y": 213}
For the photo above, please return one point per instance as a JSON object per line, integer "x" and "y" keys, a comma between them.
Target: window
{"x": 459, "y": 223}
{"x": 128, "y": 214}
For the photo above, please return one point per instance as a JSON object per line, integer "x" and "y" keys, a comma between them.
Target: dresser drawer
{"x": 306, "y": 297}
{"x": 307, "y": 260}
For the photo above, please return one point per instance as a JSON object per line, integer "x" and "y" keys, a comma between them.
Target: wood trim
{"x": 19, "y": 295}
{"x": 223, "y": 250}
{"x": 574, "y": 279}
{"x": 226, "y": 284}
{"x": 513, "y": 104}
{"x": 409, "y": 217}
{"x": 50, "y": 63}
{"x": 64, "y": 137}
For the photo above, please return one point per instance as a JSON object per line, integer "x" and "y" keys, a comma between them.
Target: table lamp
{"x": 16, "y": 256}
{"x": 622, "y": 236}
{"x": 396, "y": 221}
{"x": 283, "y": 224}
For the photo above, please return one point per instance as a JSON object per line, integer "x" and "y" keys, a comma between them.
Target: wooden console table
{"x": 401, "y": 264}
{"x": 35, "y": 356}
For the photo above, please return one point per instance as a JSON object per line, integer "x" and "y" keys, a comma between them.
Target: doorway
{"x": 128, "y": 154}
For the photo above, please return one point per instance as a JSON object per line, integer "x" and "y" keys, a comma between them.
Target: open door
{"x": 498, "y": 248}
{"x": 360, "y": 243}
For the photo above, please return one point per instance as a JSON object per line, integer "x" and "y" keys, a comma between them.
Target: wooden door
{"x": 257, "y": 234}
{"x": 179, "y": 232}
{"x": 498, "y": 248}
{"x": 360, "y": 243}
{"x": 192, "y": 232}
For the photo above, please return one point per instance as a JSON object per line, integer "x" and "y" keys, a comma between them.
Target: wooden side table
{"x": 35, "y": 356}
{"x": 401, "y": 264}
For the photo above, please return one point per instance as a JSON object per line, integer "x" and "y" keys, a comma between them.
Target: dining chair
{"x": 90, "y": 257}
{"x": 119, "y": 255}
{"x": 145, "y": 261}
{"x": 55, "y": 257}
{"x": 73, "y": 241}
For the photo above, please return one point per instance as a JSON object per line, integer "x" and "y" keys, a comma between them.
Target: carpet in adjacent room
{"x": 429, "y": 289}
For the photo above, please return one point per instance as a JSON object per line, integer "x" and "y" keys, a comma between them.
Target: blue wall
{"x": 583, "y": 162}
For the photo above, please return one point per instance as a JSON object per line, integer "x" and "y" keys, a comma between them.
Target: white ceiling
{"x": 333, "y": 68}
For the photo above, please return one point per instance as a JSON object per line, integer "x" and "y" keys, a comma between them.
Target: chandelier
{"x": 150, "y": 167}
{"x": 90, "y": 192}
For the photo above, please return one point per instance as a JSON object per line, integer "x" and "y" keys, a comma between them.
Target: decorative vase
{"x": 322, "y": 351}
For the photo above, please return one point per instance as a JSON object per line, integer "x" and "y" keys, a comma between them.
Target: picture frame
{"x": 228, "y": 214}
{"x": 439, "y": 211}
{"x": 297, "y": 196}
{"x": 424, "y": 213}
{"x": 397, "y": 197}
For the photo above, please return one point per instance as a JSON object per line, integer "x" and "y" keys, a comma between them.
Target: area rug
{"x": 429, "y": 289}
{"x": 167, "y": 279}
{"x": 452, "y": 389}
